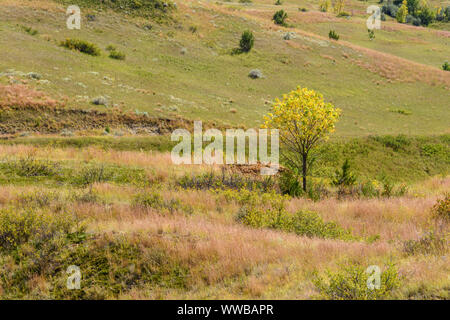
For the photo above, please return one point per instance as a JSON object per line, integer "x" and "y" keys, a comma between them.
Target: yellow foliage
{"x": 302, "y": 117}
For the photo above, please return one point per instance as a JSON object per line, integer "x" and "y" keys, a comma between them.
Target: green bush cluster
{"x": 40, "y": 244}
{"x": 350, "y": 283}
{"x": 32, "y": 167}
{"x": 81, "y": 46}
{"x": 268, "y": 211}
{"x": 333, "y": 35}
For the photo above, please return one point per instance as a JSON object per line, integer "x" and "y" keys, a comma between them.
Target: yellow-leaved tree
{"x": 304, "y": 120}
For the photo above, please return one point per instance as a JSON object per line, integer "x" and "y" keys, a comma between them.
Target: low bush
{"x": 42, "y": 245}
{"x": 247, "y": 41}
{"x": 270, "y": 213}
{"x": 333, "y": 35}
{"x": 117, "y": 55}
{"x": 30, "y": 30}
{"x": 395, "y": 142}
{"x": 351, "y": 283}
{"x": 154, "y": 200}
{"x": 32, "y": 167}
{"x": 81, "y": 46}
{"x": 446, "y": 66}
{"x": 280, "y": 17}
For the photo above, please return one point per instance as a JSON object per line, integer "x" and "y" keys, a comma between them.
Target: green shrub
{"x": 93, "y": 174}
{"x": 18, "y": 227}
{"x": 333, "y": 35}
{"x": 344, "y": 14}
{"x": 426, "y": 15}
{"x": 290, "y": 184}
{"x": 401, "y": 111}
{"x": 303, "y": 223}
{"x": 280, "y": 18}
{"x": 116, "y": 55}
{"x": 30, "y": 30}
{"x": 247, "y": 41}
{"x": 395, "y": 142}
{"x": 32, "y": 167}
{"x": 350, "y": 283}
{"x": 81, "y": 46}
{"x": 433, "y": 149}
{"x": 446, "y": 66}
{"x": 40, "y": 244}
{"x": 344, "y": 177}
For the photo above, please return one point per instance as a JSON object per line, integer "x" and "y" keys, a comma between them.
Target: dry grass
{"x": 21, "y": 96}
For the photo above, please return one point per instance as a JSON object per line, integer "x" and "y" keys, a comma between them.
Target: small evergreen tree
{"x": 446, "y": 66}
{"x": 344, "y": 177}
{"x": 280, "y": 18}
{"x": 247, "y": 41}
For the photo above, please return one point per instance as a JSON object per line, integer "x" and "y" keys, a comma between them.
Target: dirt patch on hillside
{"x": 25, "y": 109}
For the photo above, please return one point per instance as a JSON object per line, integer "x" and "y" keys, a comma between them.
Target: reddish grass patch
{"x": 21, "y": 96}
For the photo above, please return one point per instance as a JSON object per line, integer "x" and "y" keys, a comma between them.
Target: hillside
{"x": 184, "y": 66}
{"x": 93, "y": 206}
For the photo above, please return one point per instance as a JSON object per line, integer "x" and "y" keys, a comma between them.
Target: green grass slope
{"x": 184, "y": 66}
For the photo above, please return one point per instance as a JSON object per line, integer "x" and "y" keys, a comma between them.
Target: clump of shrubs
{"x": 30, "y": 30}
{"x": 81, "y": 46}
{"x": 351, "y": 282}
{"x": 32, "y": 167}
{"x": 268, "y": 211}
{"x": 117, "y": 55}
{"x": 114, "y": 53}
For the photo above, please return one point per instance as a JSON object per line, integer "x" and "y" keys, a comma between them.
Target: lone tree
{"x": 247, "y": 41}
{"x": 304, "y": 120}
{"x": 280, "y": 18}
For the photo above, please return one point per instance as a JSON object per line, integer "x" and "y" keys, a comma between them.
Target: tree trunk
{"x": 305, "y": 157}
